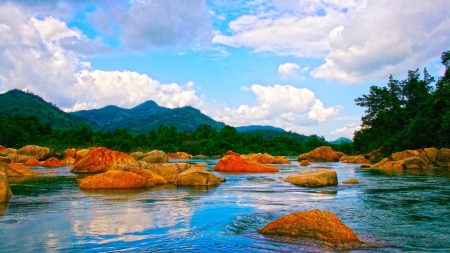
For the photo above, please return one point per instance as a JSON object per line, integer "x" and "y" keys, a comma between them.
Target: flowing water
{"x": 390, "y": 212}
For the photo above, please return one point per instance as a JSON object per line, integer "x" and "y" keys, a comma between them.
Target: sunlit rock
{"x": 70, "y": 152}
{"x": 32, "y": 162}
{"x": 314, "y": 224}
{"x": 5, "y": 190}
{"x": 443, "y": 157}
{"x": 315, "y": 178}
{"x": 155, "y": 156}
{"x": 17, "y": 170}
{"x": 34, "y": 151}
{"x": 68, "y": 161}
{"x": 52, "y": 162}
{"x": 320, "y": 154}
{"x": 234, "y": 163}
{"x": 304, "y": 163}
{"x": 265, "y": 159}
{"x": 351, "y": 181}
{"x": 180, "y": 155}
{"x": 196, "y": 176}
{"x": 354, "y": 159}
{"x": 100, "y": 160}
{"x": 115, "y": 179}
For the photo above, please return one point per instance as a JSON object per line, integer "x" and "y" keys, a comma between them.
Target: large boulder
{"x": 411, "y": 163}
{"x": 443, "y": 157}
{"x": 52, "y": 162}
{"x": 195, "y": 176}
{"x": 34, "y": 151}
{"x": 81, "y": 153}
{"x": 7, "y": 151}
{"x": 68, "y": 161}
{"x": 180, "y": 155}
{"x": 234, "y": 163}
{"x": 100, "y": 160}
{"x": 265, "y": 159}
{"x": 5, "y": 190}
{"x": 115, "y": 179}
{"x": 320, "y": 154}
{"x": 431, "y": 154}
{"x": 354, "y": 159}
{"x": 169, "y": 171}
{"x": 315, "y": 224}
{"x": 17, "y": 170}
{"x": 315, "y": 178}
{"x": 70, "y": 152}
{"x": 19, "y": 158}
{"x": 155, "y": 156}
{"x": 402, "y": 155}
{"x": 141, "y": 168}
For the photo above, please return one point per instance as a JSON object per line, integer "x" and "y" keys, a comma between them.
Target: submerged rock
{"x": 315, "y": 178}
{"x": 351, "y": 181}
{"x": 320, "y": 154}
{"x": 100, "y": 160}
{"x": 315, "y": 224}
{"x": 304, "y": 163}
{"x": 234, "y": 163}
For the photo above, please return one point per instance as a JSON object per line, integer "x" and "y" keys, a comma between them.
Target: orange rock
{"x": 179, "y": 155}
{"x": 196, "y": 176}
{"x": 304, "y": 163}
{"x": 373, "y": 155}
{"x": 71, "y": 152}
{"x": 315, "y": 178}
{"x": 52, "y": 162}
{"x": 32, "y": 162}
{"x": 233, "y": 163}
{"x": 17, "y": 170}
{"x": 265, "y": 159}
{"x": 201, "y": 165}
{"x": 68, "y": 161}
{"x": 115, "y": 179}
{"x": 100, "y": 160}
{"x": 411, "y": 163}
{"x": 320, "y": 154}
{"x": 351, "y": 181}
{"x": 35, "y": 151}
{"x": 229, "y": 152}
{"x": 1, "y": 147}
{"x": 443, "y": 157}
{"x": 354, "y": 159}
{"x": 5, "y": 190}
{"x": 80, "y": 154}
{"x": 314, "y": 224}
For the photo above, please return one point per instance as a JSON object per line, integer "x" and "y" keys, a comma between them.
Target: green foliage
{"x": 406, "y": 114}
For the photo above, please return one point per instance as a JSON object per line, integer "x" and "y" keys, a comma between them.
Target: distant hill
{"x": 340, "y": 140}
{"x": 27, "y": 104}
{"x": 257, "y": 127}
{"x": 147, "y": 116}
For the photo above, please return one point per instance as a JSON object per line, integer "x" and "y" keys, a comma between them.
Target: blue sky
{"x": 293, "y": 64}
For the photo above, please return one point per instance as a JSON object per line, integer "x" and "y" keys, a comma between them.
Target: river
{"x": 391, "y": 212}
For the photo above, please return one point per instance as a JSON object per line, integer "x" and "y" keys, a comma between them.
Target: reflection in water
{"x": 3, "y": 208}
{"x": 394, "y": 211}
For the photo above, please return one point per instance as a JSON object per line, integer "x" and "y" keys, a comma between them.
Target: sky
{"x": 298, "y": 65}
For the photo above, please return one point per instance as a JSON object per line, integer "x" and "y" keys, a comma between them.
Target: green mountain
{"x": 27, "y": 104}
{"x": 340, "y": 140}
{"x": 147, "y": 116}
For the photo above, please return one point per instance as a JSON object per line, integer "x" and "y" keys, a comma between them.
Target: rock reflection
{"x": 3, "y": 208}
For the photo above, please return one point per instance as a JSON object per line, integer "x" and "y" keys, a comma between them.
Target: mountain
{"x": 147, "y": 116}
{"x": 340, "y": 140}
{"x": 27, "y": 104}
{"x": 258, "y": 127}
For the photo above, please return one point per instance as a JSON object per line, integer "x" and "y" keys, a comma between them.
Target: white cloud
{"x": 347, "y": 131}
{"x": 387, "y": 37}
{"x": 279, "y": 105}
{"x": 291, "y": 70}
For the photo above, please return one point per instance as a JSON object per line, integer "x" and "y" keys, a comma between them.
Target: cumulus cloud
{"x": 291, "y": 70}
{"x": 347, "y": 131}
{"x": 373, "y": 46}
{"x": 279, "y": 105}
{"x": 160, "y": 23}
{"x": 297, "y": 28}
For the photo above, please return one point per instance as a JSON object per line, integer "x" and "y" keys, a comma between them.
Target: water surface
{"x": 393, "y": 212}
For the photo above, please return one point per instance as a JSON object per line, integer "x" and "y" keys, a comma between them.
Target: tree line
{"x": 406, "y": 114}
{"x": 17, "y": 131}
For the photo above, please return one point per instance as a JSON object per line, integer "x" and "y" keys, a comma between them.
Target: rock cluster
{"x": 265, "y": 159}
{"x": 315, "y": 224}
{"x": 99, "y": 160}
{"x": 415, "y": 159}
{"x": 179, "y": 155}
{"x": 234, "y": 163}
{"x": 154, "y": 156}
{"x": 354, "y": 159}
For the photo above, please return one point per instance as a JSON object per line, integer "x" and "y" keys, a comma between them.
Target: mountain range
{"x": 139, "y": 119}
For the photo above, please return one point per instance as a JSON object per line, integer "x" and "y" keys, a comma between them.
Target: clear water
{"x": 392, "y": 212}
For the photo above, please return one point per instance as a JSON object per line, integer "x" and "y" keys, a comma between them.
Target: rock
{"x": 138, "y": 155}
{"x": 34, "y": 151}
{"x": 351, "y": 181}
{"x": 431, "y": 154}
{"x": 340, "y": 154}
{"x": 200, "y": 156}
{"x": 19, "y": 158}
{"x": 6, "y": 159}
{"x": 229, "y": 152}
{"x": 115, "y": 179}
{"x": 304, "y": 163}
{"x": 52, "y": 162}
{"x": 180, "y": 155}
{"x": 398, "y": 156}
{"x": 366, "y": 165}
{"x": 169, "y": 171}
{"x": 100, "y": 160}
{"x": 320, "y": 154}
{"x": 17, "y": 170}
{"x": 233, "y": 163}
{"x": 411, "y": 163}
{"x": 140, "y": 169}
{"x": 195, "y": 177}
{"x": 353, "y": 159}
{"x": 32, "y": 162}
{"x": 315, "y": 178}
{"x": 2, "y": 148}
{"x": 201, "y": 165}
{"x": 443, "y": 157}
{"x": 7, "y": 151}
{"x": 5, "y": 190}
{"x": 315, "y": 224}
{"x": 71, "y": 152}
{"x": 265, "y": 159}
{"x": 373, "y": 155}
{"x": 155, "y": 156}
{"x": 68, "y": 161}
{"x": 80, "y": 154}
